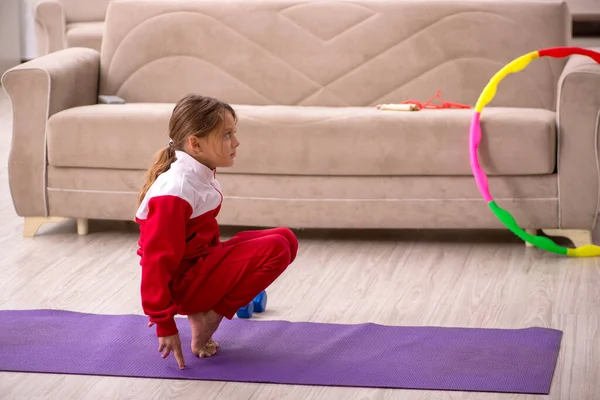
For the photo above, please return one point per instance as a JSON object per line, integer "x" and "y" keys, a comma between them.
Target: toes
{"x": 200, "y": 353}
{"x": 205, "y": 353}
{"x": 208, "y": 350}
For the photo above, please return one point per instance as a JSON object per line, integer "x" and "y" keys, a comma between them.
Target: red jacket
{"x": 177, "y": 221}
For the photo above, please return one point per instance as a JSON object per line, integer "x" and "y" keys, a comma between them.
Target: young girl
{"x": 186, "y": 269}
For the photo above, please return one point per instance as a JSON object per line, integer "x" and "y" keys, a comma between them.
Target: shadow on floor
{"x": 374, "y": 235}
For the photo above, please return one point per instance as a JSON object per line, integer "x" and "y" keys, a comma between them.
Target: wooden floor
{"x": 403, "y": 278}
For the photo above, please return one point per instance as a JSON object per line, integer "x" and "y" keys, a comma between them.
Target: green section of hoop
{"x": 538, "y": 241}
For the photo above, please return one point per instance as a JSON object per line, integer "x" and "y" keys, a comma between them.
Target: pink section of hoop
{"x": 474, "y": 140}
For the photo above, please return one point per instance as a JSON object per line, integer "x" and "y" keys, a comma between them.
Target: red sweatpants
{"x": 235, "y": 272}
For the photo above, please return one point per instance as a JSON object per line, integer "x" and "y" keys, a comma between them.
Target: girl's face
{"x": 218, "y": 149}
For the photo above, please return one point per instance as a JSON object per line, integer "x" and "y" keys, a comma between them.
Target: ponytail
{"x": 162, "y": 162}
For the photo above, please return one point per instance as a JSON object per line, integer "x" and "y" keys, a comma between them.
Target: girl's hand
{"x": 170, "y": 344}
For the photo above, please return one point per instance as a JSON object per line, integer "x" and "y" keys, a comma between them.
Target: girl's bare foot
{"x": 210, "y": 349}
{"x": 203, "y": 327}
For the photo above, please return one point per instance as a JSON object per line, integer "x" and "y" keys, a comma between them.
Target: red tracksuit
{"x": 186, "y": 268}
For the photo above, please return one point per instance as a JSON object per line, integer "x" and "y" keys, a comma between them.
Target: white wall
{"x": 10, "y": 38}
{"x": 28, "y": 45}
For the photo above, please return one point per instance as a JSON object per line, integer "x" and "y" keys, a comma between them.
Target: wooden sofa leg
{"x": 532, "y": 232}
{"x": 579, "y": 237}
{"x": 82, "y": 226}
{"x": 32, "y": 224}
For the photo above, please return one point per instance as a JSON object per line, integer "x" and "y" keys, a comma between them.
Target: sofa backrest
{"x": 85, "y": 10}
{"x": 330, "y": 53}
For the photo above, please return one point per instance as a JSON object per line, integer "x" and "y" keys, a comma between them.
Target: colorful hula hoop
{"x": 475, "y": 138}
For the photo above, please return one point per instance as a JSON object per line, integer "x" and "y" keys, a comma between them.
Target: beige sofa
{"x": 584, "y": 10}
{"x": 305, "y": 78}
{"x": 80, "y": 23}
{"x": 60, "y": 24}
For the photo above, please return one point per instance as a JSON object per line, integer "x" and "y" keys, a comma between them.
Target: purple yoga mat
{"x": 366, "y": 355}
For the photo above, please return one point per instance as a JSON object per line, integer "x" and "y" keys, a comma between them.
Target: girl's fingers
{"x": 179, "y": 357}
{"x": 166, "y": 353}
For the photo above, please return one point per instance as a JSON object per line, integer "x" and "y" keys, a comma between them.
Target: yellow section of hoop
{"x": 589, "y": 250}
{"x": 516, "y": 65}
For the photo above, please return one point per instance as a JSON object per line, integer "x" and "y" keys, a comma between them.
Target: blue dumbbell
{"x": 259, "y": 304}
{"x": 246, "y": 312}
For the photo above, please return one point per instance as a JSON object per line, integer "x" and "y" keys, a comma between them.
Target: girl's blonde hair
{"x": 193, "y": 115}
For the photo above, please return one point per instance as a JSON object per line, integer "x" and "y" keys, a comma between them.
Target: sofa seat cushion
{"x": 85, "y": 34}
{"x": 317, "y": 140}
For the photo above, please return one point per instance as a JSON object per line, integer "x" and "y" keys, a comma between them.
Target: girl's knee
{"x": 281, "y": 249}
{"x": 291, "y": 239}
{"x": 279, "y": 243}
{"x": 285, "y": 232}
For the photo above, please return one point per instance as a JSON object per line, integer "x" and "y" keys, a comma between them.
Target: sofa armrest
{"x": 38, "y": 89}
{"x": 578, "y": 118}
{"x": 50, "y": 26}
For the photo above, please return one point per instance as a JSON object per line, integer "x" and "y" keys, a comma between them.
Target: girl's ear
{"x": 195, "y": 145}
